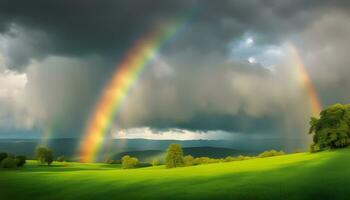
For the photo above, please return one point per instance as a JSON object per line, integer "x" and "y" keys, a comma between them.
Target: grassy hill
{"x": 299, "y": 176}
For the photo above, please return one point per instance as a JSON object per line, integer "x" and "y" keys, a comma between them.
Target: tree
{"x": 3, "y": 155}
{"x": 40, "y": 154}
{"x": 129, "y": 162}
{"x": 332, "y": 129}
{"x": 9, "y": 162}
{"x": 174, "y": 156}
{"x": 21, "y": 160}
{"x": 44, "y": 155}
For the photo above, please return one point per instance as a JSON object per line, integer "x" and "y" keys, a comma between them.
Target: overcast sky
{"x": 228, "y": 72}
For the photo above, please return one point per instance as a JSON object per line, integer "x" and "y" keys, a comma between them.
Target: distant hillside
{"x": 68, "y": 146}
{"x": 212, "y": 152}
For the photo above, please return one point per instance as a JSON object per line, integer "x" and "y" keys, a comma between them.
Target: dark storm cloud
{"x": 326, "y": 46}
{"x": 211, "y": 94}
{"x": 75, "y": 28}
{"x": 68, "y": 48}
{"x": 78, "y": 28}
{"x": 238, "y": 123}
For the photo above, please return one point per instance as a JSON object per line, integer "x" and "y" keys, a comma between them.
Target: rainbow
{"x": 305, "y": 80}
{"x": 126, "y": 75}
{"x": 46, "y": 136}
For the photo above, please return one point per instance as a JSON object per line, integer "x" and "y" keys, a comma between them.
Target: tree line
{"x": 174, "y": 157}
{"x": 43, "y": 155}
{"x": 11, "y": 161}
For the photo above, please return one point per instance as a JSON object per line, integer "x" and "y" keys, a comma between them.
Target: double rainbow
{"x": 123, "y": 79}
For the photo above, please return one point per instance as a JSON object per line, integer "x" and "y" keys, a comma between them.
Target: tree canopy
{"x": 44, "y": 155}
{"x": 129, "y": 162}
{"x": 332, "y": 129}
{"x": 174, "y": 156}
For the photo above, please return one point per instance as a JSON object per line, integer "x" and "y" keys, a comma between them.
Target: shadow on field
{"x": 68, "y": 167}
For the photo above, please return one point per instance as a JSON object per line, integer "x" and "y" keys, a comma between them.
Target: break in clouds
{"x": 228, "y": 71}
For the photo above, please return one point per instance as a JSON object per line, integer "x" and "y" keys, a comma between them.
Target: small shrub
{"x": 205, "y": 160}
{"x": 241, "y": 158}
{"x": 229, "y": 159}
{"x": 61, "y": 159}
{"x": 155, "y": 162}
{"x": 3, "y": 155}
{"x": 112, "y": 162}
{"x": 201, "y": 160}
{"x": 129, "y": 162}
{"x": 21, "y": 160}
{"x": 189, "y": 160}
{"x": 9, "y": 162}
{"x": 270, "y": 153}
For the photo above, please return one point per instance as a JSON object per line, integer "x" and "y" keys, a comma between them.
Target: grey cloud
{"x": 69, "y": 48}
{"x": 326, "y": 46}
{"x": 76, "y": 28}
{"x": 61, "y": 92}
{"x": 214, "y": 94}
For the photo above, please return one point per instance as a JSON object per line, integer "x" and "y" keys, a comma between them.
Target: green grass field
{"x": 299, "y": 176}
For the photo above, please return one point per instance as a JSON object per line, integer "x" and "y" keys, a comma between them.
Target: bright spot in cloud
{"x": 14, "y": 110}
{"x": 252, "y": 60}
{"x": 268, "y": 56}
{"x": 160, "y": 67}
{"x": 170, "y": 134}
{"x": 249, "y": 41}
{"x": 275, "y": 51}
{"x": 12, "y": 83}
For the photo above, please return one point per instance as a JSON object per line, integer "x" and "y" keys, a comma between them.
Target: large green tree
{"x": 174, "y": 156}
{"x": 332, "y": 129}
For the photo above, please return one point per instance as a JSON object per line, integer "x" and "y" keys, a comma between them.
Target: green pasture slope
{"x": 299, "y": 176}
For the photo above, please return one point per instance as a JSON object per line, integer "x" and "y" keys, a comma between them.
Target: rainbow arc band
{"x": 126, "y": 75}
{"x": 305, "y": 80}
